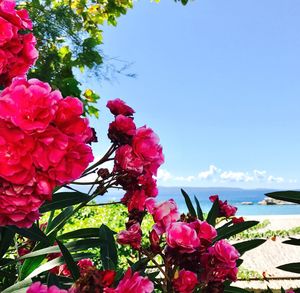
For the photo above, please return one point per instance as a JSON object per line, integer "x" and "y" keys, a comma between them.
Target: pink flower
{"x": 7, "y": 31}
{"x": 132, "y": 283}
{"x": 38, "y": 287}
{"x": 154, "y": 241}
{"x": 135, "y": 199}
{"x": 185, "y": 282}
{"x": 164, "y": 214}
{"x": 68, "y": 119}
{"x": 237, "y": 220}
{"x": 131, "y": 236}
{"x": 84, "y": 265}
{"x": 146, "y": 146}
{"x": 15, "y": 154}
{"x": 30, "y": 105}
{"x": 182, "y": 237}
{"x": 118, "y": 107}
{"x": 205, "y": 232}
{"x": 289, "y": 291}
{"x": 226, "y": 210}
{"x": 77, "y": 158}
{"x": 219, "y": 263}
{"x": 127, "y": 161}
{"x": 121, "y": 130}
{"x": 148, "y": 184}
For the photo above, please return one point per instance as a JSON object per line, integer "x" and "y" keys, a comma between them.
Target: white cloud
{"x": 212, "y": 170}
{"x": 235, "y": 176}
{"x": 163, "y": 175}
{"x": 275, "y": 179}
{"x": 187, "y": 178}
{"x": 260, "y": 175}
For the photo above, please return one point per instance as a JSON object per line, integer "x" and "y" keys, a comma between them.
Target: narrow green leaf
{"x": 64, "y": 199}
{"x": 244, "y": 246}
{"x": 108, "y": 250}
{"x": 282, "y": 290}
{"x": 291, "y": 267}
{"x": 81, "y": 233}
{"x": 59, "y": 221}
{"x": 71, "y": 264}
{"x": 140, "y": 265}
{"x": 199, "y": 210}
{"x": 234, "y": 229}
{"x": 33, "y": 233}
{"x": 213, "y": 213}
{"x": 292, "y": 241}
{"x": 19, "y": 287}
{"x": 189, "y": 203}
{"x": 6, "y": 239}
{"x": 231, "y": 289}
{"x": 290, "y": 196}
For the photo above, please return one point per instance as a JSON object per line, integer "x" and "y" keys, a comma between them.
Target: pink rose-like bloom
{"x": 226, "y": 210}
{"x": 146, "y": 146}
{"x": 205, "y": 232}
{"x": 17, "y": 51}
{"x": 118, "y": 107}
{"x": 68, "y": 119}
{"x": 131, "y": 236}
{"x": 30, "y": 105}
{"x": 15, "y": 154}
{"x": 182, "y": 237}
{"x": 219, "y": 262}
{"x": 185, "y": 282}
{"x": 132, "y": 283}
{"x": 163, "y": 214}
{"x": 84, "y": 265}
{"x": 127, "y": 161}
{"x": 38, "y": 287}
{"x": 134, "y": 199}
{"x": 289, "y": 291}
{"x": 121, "y": 130}
{"x": 148, "y": 184}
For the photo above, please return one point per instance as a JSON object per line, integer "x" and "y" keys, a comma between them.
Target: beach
{"x": 265, "y": 258}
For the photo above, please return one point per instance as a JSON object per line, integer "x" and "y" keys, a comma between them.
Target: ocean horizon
{"x": 234, "y": 196}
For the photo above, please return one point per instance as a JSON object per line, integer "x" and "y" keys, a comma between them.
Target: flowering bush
{"x": 44, "y": 150}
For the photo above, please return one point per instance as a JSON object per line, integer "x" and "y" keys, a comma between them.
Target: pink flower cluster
{"x": 43, "y": 143}
{"x": 37, "y": 287}
{"x": 219, "y": 262}
{"x": 17, "y": 49}
{"x": 225, "y": 209}
{"x": 185, "y": 282}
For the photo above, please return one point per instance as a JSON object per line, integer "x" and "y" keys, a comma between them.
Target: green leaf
{"x": 199, "y": 210}
{"x": 231, "y": 289}
{"x": 189, "y": 203}
{"x": 291, "y": 267}
{"x": 59, "y": 221}
{"x": 81, "y": 233}
{"x": 108, "y": 250}
{"x": 64, "y": 199}
{"x": 19, "y": 287}
{"x": 292, "y": 241}
{"x": 213, "y": 213}
{"x": 6, "y": 239}
{"x": 244, "y": 246}
{"x": 33, "y": 233}
{"x": 282, "y": 290}
{"x": 140, "y": 265}
{"x": 290, "y": 196}
{"x": 71, "y": 264}
{"x": 224, "y": 233}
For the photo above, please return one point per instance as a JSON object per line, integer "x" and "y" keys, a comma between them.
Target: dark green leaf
{"x": 244, "y": 246}
{"x": 108, "y": 250}
{"x": 81, "y": 233}
{"x": 140, "y": 265}
{"x": 59, "y": 221}
{"x": 213, "y": 213}
{"x": 282, "y": 290}
{"x": 189, "y": 203}
{"x": 231, "y": 289}
{"x": 19, "y": 287}
{"x": 33, "y": 233}
{"x": 199, "y": 210}
{"x": 290, "y": 196}
{"x": 6, "y": 239}
{"x": 62, "y": 200}
{"x": 291, "y": 267}
{"x": 234, "y": 229}
{"x": 71, "y": 264}
{"x": 292, "y": 241}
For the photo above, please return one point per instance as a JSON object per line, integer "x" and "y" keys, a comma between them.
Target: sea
{"x": 234, "y": 196}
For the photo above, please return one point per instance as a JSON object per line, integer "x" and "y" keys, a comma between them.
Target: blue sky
{"x": 218, "y": 81}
